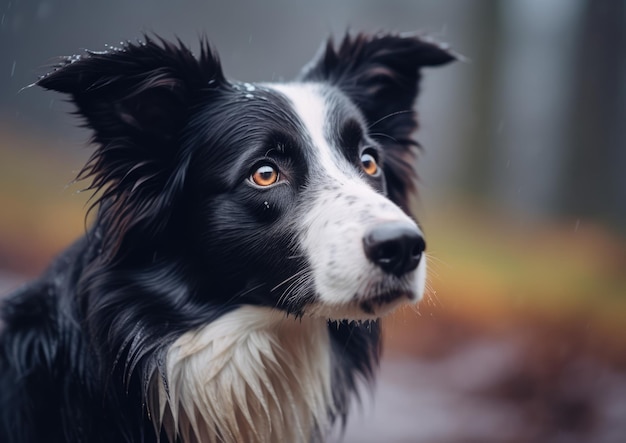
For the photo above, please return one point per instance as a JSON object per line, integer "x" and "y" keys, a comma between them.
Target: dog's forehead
{"x": 250, "y": 119}
{"x": 322, "y": 111}
{"x": 321, "y": 108}
{"x": 310, "y": 107}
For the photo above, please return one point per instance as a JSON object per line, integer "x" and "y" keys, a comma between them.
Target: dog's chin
{"x": 366, "y": 308}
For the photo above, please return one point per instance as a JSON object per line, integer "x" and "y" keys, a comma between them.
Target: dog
{"x": 247, "y": 239}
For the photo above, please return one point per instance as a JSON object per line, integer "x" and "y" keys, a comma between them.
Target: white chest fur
{"x": 251, "y": 376}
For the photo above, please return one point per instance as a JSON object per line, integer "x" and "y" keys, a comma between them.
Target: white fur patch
{"x": 253, "y": 375}
{"x": 342, "y": 206}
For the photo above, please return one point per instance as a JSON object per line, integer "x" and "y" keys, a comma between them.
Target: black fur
{"x": 177, "y": 241}
{"x": 381, "y": 75}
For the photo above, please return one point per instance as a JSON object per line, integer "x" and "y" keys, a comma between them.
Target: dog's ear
{"x": 381, "y": 75}
{"x": 136, "y": 99}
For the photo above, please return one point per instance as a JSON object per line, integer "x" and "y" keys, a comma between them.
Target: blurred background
{"x": 522, "y": 335}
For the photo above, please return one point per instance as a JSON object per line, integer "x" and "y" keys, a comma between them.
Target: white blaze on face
{"x": 342, "y": 207}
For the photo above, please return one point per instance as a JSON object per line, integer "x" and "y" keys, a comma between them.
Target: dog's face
{"x": 287, "y": 195}
{"x": 296, "y": 200}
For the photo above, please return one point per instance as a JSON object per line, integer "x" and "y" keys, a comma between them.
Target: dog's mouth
{"x": 383, "y": 303}
{"x": 365, "y": 306}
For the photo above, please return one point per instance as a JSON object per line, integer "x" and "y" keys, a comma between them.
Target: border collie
{"x": 248, "y": 237}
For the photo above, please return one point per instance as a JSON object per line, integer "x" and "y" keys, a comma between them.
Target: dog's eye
{"x": 265, "y": 175}
{"x": 369, "y": 165}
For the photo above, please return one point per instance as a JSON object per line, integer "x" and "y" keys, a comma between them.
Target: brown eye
{"x": 265, "y": 175}
{"x": 368, "y": 162}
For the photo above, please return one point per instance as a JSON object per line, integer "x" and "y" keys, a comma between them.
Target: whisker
{"x": 300, "y": 272}
{"x": 432, "y": 271}
{"x": 290, "y": 301}
{"x": 431, "y": 256}
{"x": 244, "y": 293}
{"x": 388, "y": 116}
{"x": 292, "y": 292}
{"x": 415, "y": 308}
{"x": 291, "y": 289}
{"x": 380, "y": 134}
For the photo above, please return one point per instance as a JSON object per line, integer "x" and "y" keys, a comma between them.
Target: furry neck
{"x": 253, "y": 375}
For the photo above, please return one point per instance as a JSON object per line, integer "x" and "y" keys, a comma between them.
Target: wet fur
{"x": 87, "y": 350}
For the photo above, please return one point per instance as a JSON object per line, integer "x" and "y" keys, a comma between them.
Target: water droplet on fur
{"x": 249, "y": 87}
{"x": 249, "y": 96}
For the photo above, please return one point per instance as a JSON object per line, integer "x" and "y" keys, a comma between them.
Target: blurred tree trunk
{"x": 477, "y": 169}
{"x": 532, "y": 89}
{"x": 594, "y": 182}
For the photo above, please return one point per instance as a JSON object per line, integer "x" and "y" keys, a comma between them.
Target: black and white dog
{"x": 247, "y": 239}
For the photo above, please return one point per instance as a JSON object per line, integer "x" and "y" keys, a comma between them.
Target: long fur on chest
{"x": 254, "y": 375}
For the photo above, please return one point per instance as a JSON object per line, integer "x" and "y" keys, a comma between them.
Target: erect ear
{"x": 381, "y": 75}
{"x": 136, "y": 99}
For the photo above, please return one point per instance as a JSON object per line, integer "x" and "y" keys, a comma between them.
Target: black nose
{"x": 396, "y": 247}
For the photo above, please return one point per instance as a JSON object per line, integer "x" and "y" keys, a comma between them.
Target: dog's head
{"x": 292, "y": 195}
